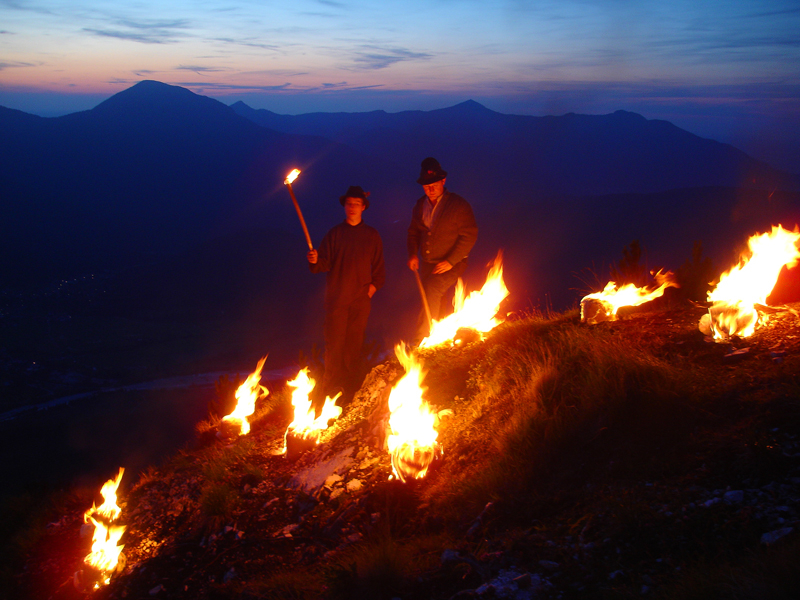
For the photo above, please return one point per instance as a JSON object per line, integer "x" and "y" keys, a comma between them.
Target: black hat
{"x": 431, "y": 171}
{"x": 355, "y": 191}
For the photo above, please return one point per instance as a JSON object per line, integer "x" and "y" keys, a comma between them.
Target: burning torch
{"x": 288, "y": 183}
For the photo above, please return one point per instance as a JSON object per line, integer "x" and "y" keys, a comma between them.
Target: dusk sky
{"x": 723, "y": 69}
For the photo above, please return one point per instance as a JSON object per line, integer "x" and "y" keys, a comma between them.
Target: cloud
{"x": 375, "y": 57}
{"x": 332, "y": 3}
{"x": 198, "y": 69}
{"x": 222, "y": 87}
{"x": 145, "y": 32}
{"x": 249, "y": 44}
{"x": 14, "y": 65}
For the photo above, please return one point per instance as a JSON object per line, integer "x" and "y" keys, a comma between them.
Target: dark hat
{"x": 431, "y": 171}
{"x": 355, "y": 191}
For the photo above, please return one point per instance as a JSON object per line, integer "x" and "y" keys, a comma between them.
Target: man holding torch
{"x": 440, "y": 237}
{"x": 352, "y": 256}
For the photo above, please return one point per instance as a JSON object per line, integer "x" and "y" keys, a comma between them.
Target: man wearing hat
{"x": 352, "y": 256}
{"x": 440, "y": 237}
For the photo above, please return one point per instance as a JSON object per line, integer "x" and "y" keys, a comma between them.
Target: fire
{"x": 108, "y": 509}
{"x": 476, "y": 311}
{"x": 412, "y": 433}
{"x": 291, "y": 177}
{"x": 106, "y": 550}
{"x": 734, "y": 298}
{"x": 305, "y": 426}
{"x": 612, "y": 299}
{"x": 246, "y": 396}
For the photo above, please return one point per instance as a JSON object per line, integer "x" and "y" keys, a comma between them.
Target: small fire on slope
{"x": 476, "y": 311}
{"x": 246, "y": 396}
{"x": 735, "y": 298}
{"x": 603, "y": 306}
{"x": 105, "y": 557}
{"x": 303, "y": 432}
{"x": 412, "y": 433}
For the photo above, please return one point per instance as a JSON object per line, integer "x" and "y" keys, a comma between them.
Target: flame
{"x": 291, "y": 177}
{"x": 108, "y": 509}
{"x": 304, "y": 425}
{"x": 412, "y": 434}
{"x": 733, "y": 311}
{"x": 612, "y": 299}
{"x": 105, "y": 548}
{"x": 246, "y": 396}
{"x": 476, "y": 311}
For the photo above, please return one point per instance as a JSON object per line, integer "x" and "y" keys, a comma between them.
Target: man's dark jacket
{"x": 452, "y": 233}
{"x": 352, "y": 257}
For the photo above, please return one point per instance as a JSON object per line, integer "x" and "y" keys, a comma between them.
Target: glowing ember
{"x": 412, "y": 434}
{"x": 733, "y": 310}
{"x": 603, "y": 306}
{"x": 246, "y": 396}
{"x": 291, "y": 176}
{"x": 106, "y": 550}
{"x": 477, "y": 311}
{"x": 305, "y": 426}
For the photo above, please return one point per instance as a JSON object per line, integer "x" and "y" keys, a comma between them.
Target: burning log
{"x": 603, "y": 306}
{"x": 740, "y": 291}
{"x": 105, "y": 558}
{"x": 477, "y": 311}
{"x": 412, "y": 434}
{"x": 304, "y": 431}
{"x": 247, "y": 394}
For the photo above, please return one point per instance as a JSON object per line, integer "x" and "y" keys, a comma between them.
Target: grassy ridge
{"x": 594, "y": 449}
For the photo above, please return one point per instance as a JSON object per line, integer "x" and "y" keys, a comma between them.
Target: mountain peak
{"x": 471, "y": 106}
{"x": 149, "y": 94}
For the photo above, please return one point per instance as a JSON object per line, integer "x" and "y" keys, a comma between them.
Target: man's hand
{"x": 372, "y": 290}
{"x": 442, "y": 267}
{"x": 413, "y": 263}
{"x": 312, "y": 256}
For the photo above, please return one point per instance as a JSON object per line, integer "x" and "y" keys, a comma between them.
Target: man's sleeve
{"x": 378, "y": 265}
{"x": 467, "y": 235}
{"x": 323, "y": 264}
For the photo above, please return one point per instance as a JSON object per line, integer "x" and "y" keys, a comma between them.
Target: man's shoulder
{"x": 371, "y": 230}
{"x": 455, "y": 198}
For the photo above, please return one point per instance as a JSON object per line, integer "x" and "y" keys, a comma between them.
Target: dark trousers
{"x": 344, "y": 338}
{"x": 438, "y": 291}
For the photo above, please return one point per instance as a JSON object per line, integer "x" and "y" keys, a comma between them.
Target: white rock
{"x": 773, "y": 536}
{"x": 734, "y": 497}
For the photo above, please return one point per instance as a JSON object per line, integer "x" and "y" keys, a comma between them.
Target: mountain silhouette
{"x": 572, "y": 154}
{"x": 179, "y": 200}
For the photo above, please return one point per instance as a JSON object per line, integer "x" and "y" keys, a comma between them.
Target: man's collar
{"x": 435, "y": 202}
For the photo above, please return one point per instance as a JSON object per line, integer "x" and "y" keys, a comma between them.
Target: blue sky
{"x": 723, "y": 69}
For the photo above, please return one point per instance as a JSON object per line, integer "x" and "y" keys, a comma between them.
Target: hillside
{"x": 627, "y": 458}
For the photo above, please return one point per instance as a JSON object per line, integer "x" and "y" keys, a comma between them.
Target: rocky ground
{"x": 237, "y": 518}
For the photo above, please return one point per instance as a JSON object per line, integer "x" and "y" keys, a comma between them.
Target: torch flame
{"x": 246, "y": 396}
{"x": 291, "y": 177}
{"x": 476, "y": 311}
{"x": 612, "y": 299}
{"x": 105, "y": 548}
{"x": 733, "y": 311}
{"x": 412, "y": 434}
{"x": 304, "y": 425}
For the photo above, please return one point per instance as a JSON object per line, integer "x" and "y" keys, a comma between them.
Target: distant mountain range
{"x": 168, "y": 190}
